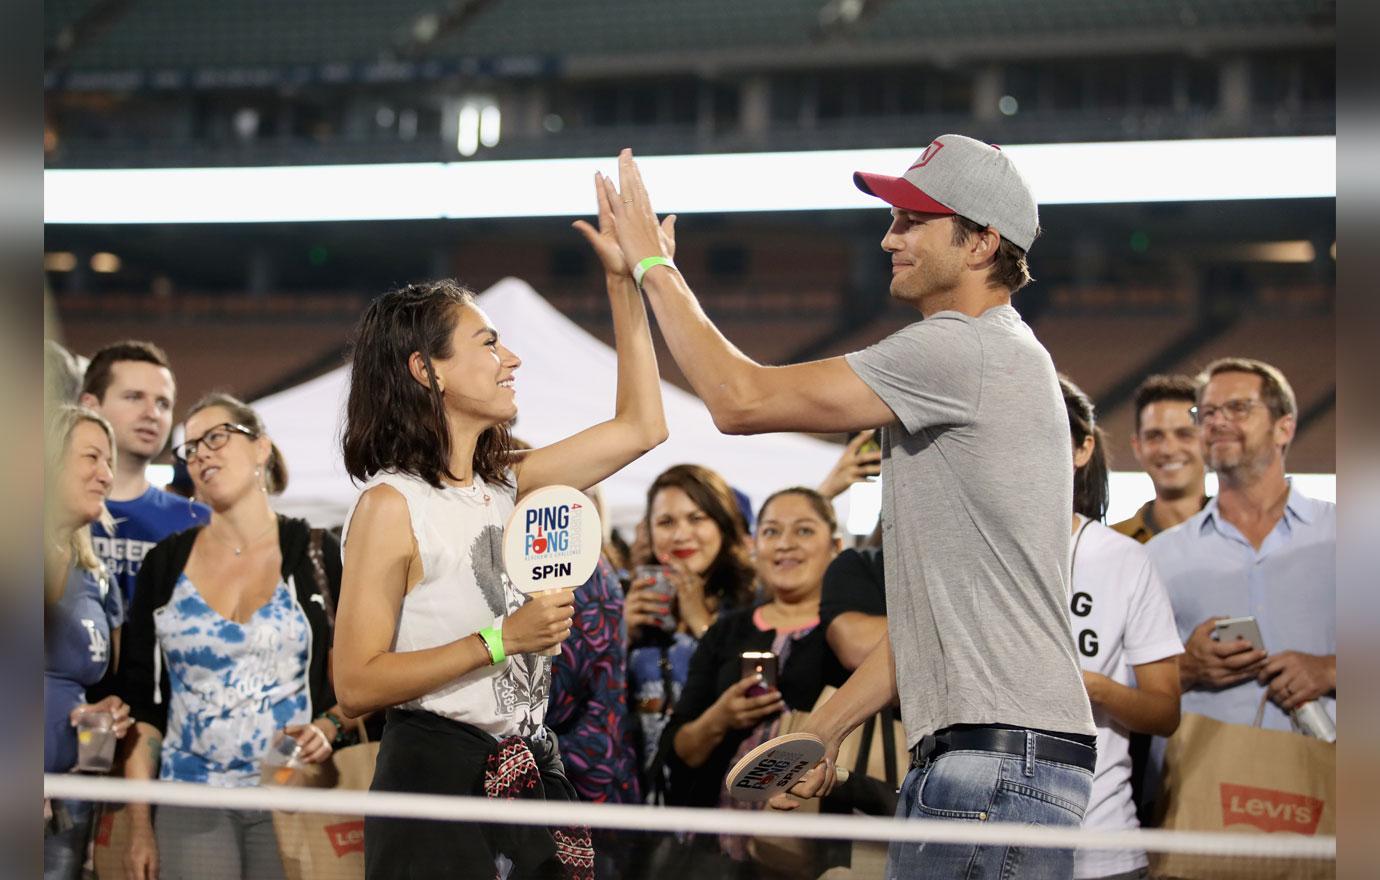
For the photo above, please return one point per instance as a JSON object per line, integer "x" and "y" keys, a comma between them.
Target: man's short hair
{"x": 1164, "y": 387}
{"x": 100, "y": 372}
{"x": 1275, "y": 391}
{"x": 1009, "y": 268}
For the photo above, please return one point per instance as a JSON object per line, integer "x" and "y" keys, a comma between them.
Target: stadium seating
{"x": 151, "y": 34}
{"x": 173, "y": 33}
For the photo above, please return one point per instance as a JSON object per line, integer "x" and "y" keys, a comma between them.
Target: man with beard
{"x": 1166, "y": 444}
{"x": 1260, "y": 548}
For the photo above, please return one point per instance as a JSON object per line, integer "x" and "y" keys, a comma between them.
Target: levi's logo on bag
{"x": 1270, "y": 810}
{"x": 346, "y": 837}
{"x": 104, "y": 827}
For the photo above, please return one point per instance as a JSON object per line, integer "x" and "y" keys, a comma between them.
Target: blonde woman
{"x": 81, "y": 617}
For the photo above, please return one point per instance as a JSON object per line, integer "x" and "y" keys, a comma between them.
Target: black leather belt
{"x": 1009, "y": 742}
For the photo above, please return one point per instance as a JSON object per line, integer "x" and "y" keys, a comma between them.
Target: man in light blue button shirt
{"x": 1260, "y": 548}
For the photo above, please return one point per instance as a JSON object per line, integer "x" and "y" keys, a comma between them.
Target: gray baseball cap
{"x": 959, "y": 175}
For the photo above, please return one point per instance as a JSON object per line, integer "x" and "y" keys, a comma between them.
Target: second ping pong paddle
{"x": 776, "y": 765}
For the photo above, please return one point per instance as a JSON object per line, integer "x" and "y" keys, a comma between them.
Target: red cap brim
{"x": 898, "y": 192}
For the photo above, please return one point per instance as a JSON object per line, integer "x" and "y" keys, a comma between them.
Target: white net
{"x": 320, "y": 833}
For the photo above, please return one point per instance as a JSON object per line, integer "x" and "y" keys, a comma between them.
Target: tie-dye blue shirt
{"x": 233, "y": 684}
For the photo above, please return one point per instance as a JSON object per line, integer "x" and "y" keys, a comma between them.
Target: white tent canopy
{"x": 566, "y": 383}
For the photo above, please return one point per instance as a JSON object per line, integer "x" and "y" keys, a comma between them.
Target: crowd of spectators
{"x": 206, "y": 654}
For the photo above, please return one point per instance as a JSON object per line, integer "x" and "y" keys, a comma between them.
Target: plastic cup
{"x": 663, "y": 588}
{"x": 282, "y": 759}
{"x": 95, "y": 742}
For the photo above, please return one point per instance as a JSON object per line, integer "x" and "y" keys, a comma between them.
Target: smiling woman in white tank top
{"x": 429, "y": 626}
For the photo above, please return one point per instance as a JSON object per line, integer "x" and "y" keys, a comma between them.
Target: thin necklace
{"x": 239, "y": 550}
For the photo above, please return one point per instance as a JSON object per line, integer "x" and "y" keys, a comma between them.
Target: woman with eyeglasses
{"x": 227, "y": 649}
{"x": 81, "y": 618}
{"x": 431, "y": 629}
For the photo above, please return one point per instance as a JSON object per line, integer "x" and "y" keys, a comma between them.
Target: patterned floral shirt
{"x": 589, "y": 705}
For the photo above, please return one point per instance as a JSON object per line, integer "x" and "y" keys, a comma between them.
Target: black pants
{"x": 427, "y": 754}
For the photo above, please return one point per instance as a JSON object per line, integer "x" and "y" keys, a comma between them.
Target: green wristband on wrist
{"x": 492, "y": 637}
{"x": 641, "y": 269}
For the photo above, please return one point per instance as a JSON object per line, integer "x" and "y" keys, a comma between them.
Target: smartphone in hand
{"x": 761, "y": 663}
{"x": 1233, "y": 628}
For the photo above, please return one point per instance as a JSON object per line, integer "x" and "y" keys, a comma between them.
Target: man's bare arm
{"x": 743, "y": 396}
{"x": 853, "y": 635}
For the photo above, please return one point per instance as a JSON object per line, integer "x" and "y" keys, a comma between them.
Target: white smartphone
{"x": 1233, "y": 628}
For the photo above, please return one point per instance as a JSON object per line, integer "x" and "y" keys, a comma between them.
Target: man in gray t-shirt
{"x": 976, "y": 476}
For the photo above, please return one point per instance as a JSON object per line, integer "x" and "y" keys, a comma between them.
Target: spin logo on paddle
{"x": 552, "y": 540}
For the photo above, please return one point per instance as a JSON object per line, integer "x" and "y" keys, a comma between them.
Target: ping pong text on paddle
{"x": 551, "y": 532}
{"x": 768, "y": 772}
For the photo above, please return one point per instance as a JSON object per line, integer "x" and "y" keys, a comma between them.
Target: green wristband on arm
{"x": 492, "y": 637}
{"x": 641, "y": 269}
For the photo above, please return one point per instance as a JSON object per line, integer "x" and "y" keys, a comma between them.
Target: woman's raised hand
{"x": 693, "y": 606}
{"x": 604, "y": 240}
{"x": 854, "y": 465}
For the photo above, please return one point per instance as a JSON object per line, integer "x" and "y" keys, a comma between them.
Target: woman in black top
{"x": 226, "y": 649}
{"x": 715, "y": 721}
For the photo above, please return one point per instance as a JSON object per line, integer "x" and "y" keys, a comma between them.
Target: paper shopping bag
{"x": 110, "y": 840}
{"x": 1240, "y": 779}
{"x": 318, "y": 846}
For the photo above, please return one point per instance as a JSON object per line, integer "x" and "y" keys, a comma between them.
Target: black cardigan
{"x": 143, "y": 678}
{"x": 715, "y": 666}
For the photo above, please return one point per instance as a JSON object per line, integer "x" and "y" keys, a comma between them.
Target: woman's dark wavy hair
{"x": 731, "y": 574}
{"x": 391, "y": 421}
{"x": 1090, "y": 489}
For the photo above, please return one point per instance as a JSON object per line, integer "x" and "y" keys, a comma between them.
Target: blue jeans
{"x": 64, "y": 844}
{"x": 980, "y": 786}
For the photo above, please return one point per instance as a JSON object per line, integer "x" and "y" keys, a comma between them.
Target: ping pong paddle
{"x": 552, "y": 542}
{"x": 775, "y": 766}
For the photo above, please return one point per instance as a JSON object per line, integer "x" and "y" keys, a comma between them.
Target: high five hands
{"x": 616, "y": 215}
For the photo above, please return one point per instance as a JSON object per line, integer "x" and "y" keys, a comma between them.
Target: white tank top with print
{"x": 459, "y": 532}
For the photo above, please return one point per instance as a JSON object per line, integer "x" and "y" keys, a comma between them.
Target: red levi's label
{"x": 346, "y": 837}
{"x": 1270, "y": 810}
{"x": 104, "y": 827}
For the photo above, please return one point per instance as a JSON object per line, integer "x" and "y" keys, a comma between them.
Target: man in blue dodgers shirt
{"x": 131, "y": 384}
{"x": 1261, "y": 548}
{"x": 975, "y": 499}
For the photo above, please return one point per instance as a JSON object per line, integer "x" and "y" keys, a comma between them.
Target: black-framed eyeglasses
{"x": 214, "y": 439}
{"x": 1234, "y": 410}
